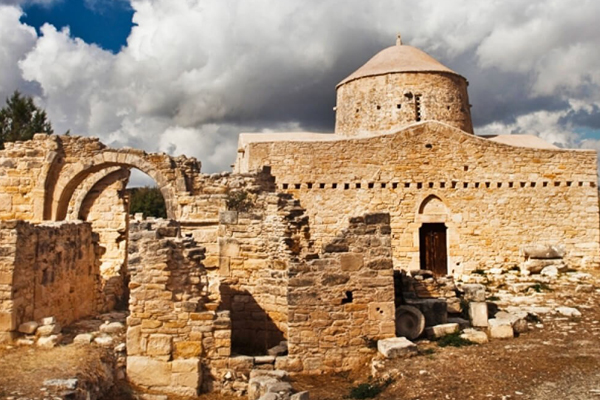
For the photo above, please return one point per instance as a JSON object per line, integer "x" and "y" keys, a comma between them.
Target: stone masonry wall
{"x": 342, "y": 300}
{"x": 47, "y": 270}
{"x": 177, "y": 340}
{"x": 253, "y": 262}
{"x": 385, "y": 103}
{"x": 494, "y": 198}
{"x": 106, "y": 208}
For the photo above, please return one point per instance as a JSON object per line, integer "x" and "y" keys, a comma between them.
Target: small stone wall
{"x": 342, "y": 301}
{"x": 177, "y": 340}
{"x": 47, "y": 270}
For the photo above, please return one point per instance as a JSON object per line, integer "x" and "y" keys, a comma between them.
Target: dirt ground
{"x": 560, "y": 360}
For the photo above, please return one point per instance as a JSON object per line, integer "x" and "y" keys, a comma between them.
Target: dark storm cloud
{"x": 196, "y": 73}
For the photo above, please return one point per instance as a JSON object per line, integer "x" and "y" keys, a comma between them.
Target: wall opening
{"x": 433, "y": 248}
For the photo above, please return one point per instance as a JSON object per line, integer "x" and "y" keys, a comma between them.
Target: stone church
{"x": 404, "y": 144}
{"x": 300, "y": 244}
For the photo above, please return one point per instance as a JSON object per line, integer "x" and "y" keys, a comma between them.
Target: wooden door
{"x": 433, "y": 248}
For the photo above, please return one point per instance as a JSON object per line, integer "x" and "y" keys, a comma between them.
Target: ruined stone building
{"x": 299, "y": 243}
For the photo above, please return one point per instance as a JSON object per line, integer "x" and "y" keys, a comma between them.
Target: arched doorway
{"x": 433, "y": 242}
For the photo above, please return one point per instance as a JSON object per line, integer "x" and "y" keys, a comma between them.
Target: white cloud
{"x": 195, "y": 73}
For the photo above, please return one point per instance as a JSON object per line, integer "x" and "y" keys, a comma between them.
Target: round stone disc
{"x": 410, "y": 322}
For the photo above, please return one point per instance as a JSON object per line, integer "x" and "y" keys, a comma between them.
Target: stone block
{"x": 474, "y": 292}
{"x": 190, "y": 380}
{"x": 568, "y": 312}
{"x": 541, "y": 251}
{"x": 83, "y": 338}
{"x": 474, "y": 336}
{"x": 500, "y": 329}
{"x": 453, "y": 305}
{"x": 229, "y": 248}
{"x": 28, "y": 328}
{"x": 159, "y": 344}
{"x": 47, "y": 330}
{"x": 381, "y": 311}
{"x": 48, "y": 342}
{"x": 435, "y": 311}
{"x": 147, "y": 371}
{"x": 437, "y": 331}
{"x": 185, "y": 365}
{"x": 396, "y": 348}
{"x": 462, "y": 323}
{"x": 351, "y": 261}
{"x": 257, "y": 386}
{"x": 518, "y": 320}
{"x": 187, "y": 349}
{"x": 112, "y": 327}
{"x": 478, "y": 314}
{"x": 134, "y": 340}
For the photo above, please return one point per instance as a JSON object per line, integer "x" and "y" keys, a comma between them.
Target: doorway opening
{"x": 433, "y": 248}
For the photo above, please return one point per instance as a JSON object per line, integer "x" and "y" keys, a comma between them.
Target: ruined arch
{"x": 159, "y": 167}
{"x": 87, "y": 189}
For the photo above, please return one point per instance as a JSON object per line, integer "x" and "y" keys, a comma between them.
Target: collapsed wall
{"x": 177, "y": 338}
{"x": 47, "y": 270}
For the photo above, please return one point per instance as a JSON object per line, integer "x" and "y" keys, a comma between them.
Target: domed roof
{"x": 398, "y": 58}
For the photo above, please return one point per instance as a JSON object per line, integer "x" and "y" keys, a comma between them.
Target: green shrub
{"x": 369, "y": 390}
{"x": 239, "y": 201}
{"x": 454, "y": 340}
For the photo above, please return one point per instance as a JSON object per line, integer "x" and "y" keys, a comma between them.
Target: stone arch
{"x": 432, "y": 209}
{"x": 85, "y": 189}
{"x": 159, "y": 167}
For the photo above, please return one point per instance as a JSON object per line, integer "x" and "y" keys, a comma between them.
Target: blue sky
{"x": 107, "y": 24}
{"x": 186, "y": 77}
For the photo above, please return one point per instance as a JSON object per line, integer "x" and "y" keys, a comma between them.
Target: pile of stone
{"x": 45, "y": 333}
{"x": 272, "y": 385}
{"x": 546, "y": 260}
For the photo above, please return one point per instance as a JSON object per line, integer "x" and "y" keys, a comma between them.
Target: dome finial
{"x": 398, "y": 40}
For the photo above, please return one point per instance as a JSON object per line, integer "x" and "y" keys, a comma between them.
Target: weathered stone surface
{"x": 47, "y": 330}
{"x": 159, "y": 344}
{"x": 69, "y": 384}
{"x": 474, "y": 292}
{"x": 550, "y": 271}
{"x": 500, "y": 329}
{"x": 462, "y": 323}
{"x": 474, "y": 336}
{"x": 478, "y": 314}
{"x": 396, "y": 348}
{"x": 47, "y": 342}
{"x": 112, "y": 327}
{"x": 437, "y": 331}
{"x": 435, "y": 311}
{"x": 568, "y": 312}
{"x": 541, "y": 251}
{"x": 518, "y": 320}
{"x": 83, "y": 338}
{"x": 28, "y": 328}
{"x": 148, "y": 371}
{"x": 410, "y": 322}
{"x": 301, "y": 396}
{"x": 453, "y": 305}
{"x": 104, "y": 340}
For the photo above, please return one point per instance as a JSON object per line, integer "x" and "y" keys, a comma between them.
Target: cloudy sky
{"x": 186, "y": 76}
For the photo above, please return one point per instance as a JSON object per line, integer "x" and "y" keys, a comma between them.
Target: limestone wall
{"x": 177, "y": 340}
{"x": 343, "y": 300}
{"x": 47, "y": 270}
{"x": 385, "y": 103}
{"x": 493, "y": 198}
{"x": 254, "y": 259}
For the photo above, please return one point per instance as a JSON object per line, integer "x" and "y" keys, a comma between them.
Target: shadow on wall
{"x": 253, "y": 331}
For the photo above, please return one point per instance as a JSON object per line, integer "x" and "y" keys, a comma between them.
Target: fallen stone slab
{"x": 435, "y": 311}
{"x": 453, "y": 305}
{"x": 47, "y": 330}
{"x": 83, "y": 338}
{"x": 436, "y": 332}
{"x": 28, "y": 328}
{"x": 518, "y": 320}
{"x": 48, "y": 342}
{"x": 399, "y": 347}
{"x": 104, "y": 340}
{"x": 478, "y": 314}
{"x": 500, "y": 329}
{"x": 550, "y": 271}
{"x": 568, "y": 312}
{"x": 112, "y": 327}
{"x": 544, "y": 252}
{"x": 69, "y": 384}
{"x": 474, "y": 336}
